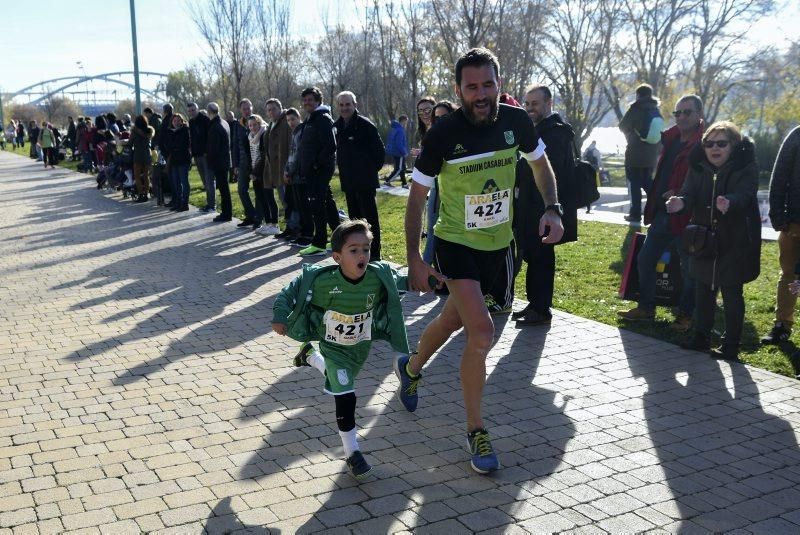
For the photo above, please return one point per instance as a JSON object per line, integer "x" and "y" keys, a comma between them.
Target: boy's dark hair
{"x": 477, "y": 57}
{"x": 345, "y": 229}
{"x": 148, "y": 110}
{"x": 402, "y": 118}
{"x": 312, "y": 91}
{"x": 293, "y": 111}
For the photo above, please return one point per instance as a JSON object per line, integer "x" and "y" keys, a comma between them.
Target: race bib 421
{"x": 347, "y": 329}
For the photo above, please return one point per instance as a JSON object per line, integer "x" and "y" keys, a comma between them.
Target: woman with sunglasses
{"x": 720, "y": 194}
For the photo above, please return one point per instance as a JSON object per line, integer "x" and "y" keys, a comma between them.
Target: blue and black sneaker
{"x": 484, "y": 459}
{"x": 358, "y": 466}
{"x": 408, "y": 384}
{"x": 301, "y": 359}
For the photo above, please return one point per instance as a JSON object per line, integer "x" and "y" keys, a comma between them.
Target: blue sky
{"x": 45, "y": 39}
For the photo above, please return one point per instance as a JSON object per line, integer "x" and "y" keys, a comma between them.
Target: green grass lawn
{"x": 588, "y": 276}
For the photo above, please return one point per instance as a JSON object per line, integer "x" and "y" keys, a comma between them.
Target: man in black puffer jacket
{"x": 317, "y": 158}
{"x": 359, "y": 154}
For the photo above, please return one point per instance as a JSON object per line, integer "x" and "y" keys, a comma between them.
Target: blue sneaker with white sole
{"x": 484, "y": 460}
{"x": 408, "y": 385}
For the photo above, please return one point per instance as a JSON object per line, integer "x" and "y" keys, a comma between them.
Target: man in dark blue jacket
{"x": 359, "y": 154}
{"x": 317, "y": 158}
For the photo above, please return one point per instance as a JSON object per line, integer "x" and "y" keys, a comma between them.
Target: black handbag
{"x": 700, "y": 241}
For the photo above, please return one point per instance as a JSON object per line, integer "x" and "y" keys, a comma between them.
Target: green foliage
{"x": 185, "y": 86}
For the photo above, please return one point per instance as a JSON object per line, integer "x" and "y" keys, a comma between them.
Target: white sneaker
{"x": 272, "y": 230}
{"x": 263, "y": 230}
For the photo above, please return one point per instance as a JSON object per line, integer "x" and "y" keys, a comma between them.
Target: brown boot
{"x": 637, "y": 314}
{"x": 681, "y": 324}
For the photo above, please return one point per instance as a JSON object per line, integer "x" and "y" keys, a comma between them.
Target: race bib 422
{"x": 487, "y": 209}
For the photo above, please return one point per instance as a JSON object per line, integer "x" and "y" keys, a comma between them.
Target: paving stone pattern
{"x": 142, "y": 390}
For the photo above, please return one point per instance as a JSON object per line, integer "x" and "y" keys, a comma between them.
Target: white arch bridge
{"x": 82, "y": 89}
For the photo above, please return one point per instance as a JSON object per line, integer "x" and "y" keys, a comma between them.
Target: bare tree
{"x": 658, "y": 29}
{"x": 719, "y": 63}
{"x": 228, "y": 27}
{"x": 274, "y": 48}
{"x": 464, "y": 24}
{"x": 573, "y": 54}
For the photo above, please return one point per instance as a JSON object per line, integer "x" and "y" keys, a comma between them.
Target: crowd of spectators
{"x": 288, "y": 163}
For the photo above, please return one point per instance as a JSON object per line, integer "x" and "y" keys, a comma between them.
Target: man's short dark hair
{"x": 345, "y": 229}
{"x": 312, "y": 91}
{"x": 192, "y": 105}
{"x": 245, "y": 101}
{"x": 402, "y": 118}
{"x": 167, "y": 108}
{"x": 477, "y": 57}
{"x": 148, "y": 110}
{"x": 696, "y": 101}
{"x": 543, "y": 88}
{"x": 644, "y": 91}
{"x": 273, "y": 101}
{"x": 293, "y": 111}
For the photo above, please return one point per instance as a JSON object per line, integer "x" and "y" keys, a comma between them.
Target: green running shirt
{"x": 476, "y": 166}
{"x": 345, "y": 332}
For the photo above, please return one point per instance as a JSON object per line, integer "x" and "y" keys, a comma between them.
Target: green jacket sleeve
{"x": 285, "y": 301}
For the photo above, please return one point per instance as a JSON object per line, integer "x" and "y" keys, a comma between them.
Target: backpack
{"x": 652, "y": 126}
{"x": 586, "y": 181}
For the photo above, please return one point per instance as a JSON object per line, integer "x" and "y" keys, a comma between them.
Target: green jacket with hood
{"x": 292, "y": 309}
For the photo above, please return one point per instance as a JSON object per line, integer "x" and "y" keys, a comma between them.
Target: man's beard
{"x": 469, "y": 112}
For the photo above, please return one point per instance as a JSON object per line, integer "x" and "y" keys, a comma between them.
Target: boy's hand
{"x": 279, "y": 328}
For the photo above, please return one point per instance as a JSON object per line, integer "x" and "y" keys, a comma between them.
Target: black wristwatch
{"x": 556, "y": 208}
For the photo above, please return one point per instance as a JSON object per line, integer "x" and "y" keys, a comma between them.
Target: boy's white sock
{"x": 317, "y": 361}
{"x": 349, "y": 441}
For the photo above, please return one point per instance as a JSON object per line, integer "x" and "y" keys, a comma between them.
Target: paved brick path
{"x": 141, "y": 390}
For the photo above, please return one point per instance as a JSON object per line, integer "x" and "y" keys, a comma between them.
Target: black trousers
{"x": 361, "y": 205}
{"x": 706, "y": 305}
{"x": 266, "y": 207}
{"x": 221, "y": 176}
{"x": 323, "y": 211}
{"x": 540, "y": 276}
{"x": 299, "y": 193}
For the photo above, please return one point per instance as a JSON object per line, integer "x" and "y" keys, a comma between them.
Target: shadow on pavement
{"x": 419, "y": 459}
{"x": 715, "y": 447}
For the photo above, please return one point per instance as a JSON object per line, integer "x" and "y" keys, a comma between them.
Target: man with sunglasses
{"x": 666, "y": 229}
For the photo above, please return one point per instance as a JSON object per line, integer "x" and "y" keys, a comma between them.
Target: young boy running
{"x": 344, "y": 307}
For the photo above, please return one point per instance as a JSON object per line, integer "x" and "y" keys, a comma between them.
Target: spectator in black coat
{"x": 180, "y": 159}
{"x": 360, "y": 154}
{"x": 557, "y": 136}
{"x": 240, "y": 152}
{"x": 165, "y": 131}
{"x": 218, "y": 158}
{"x": 198, "y": 131}
{"x": 317, "y": 159}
